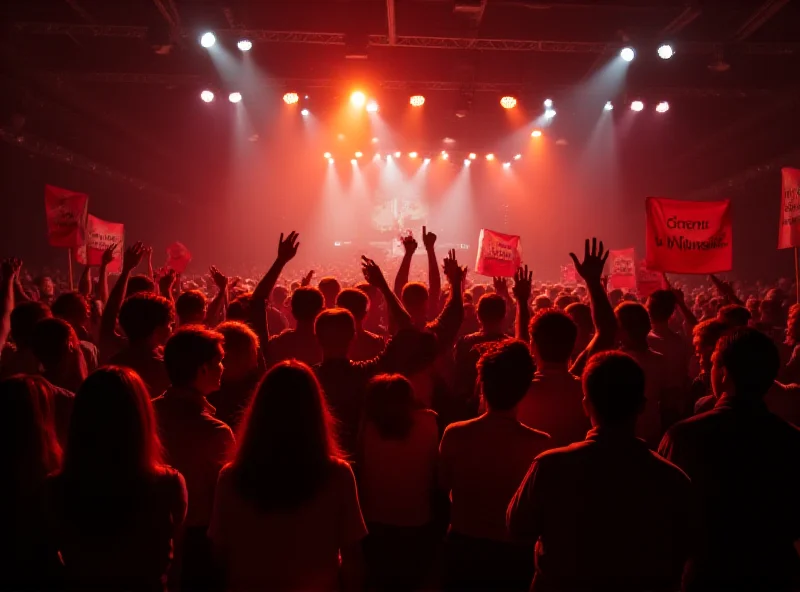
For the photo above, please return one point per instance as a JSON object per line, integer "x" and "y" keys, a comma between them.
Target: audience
{"x": 365, "y": 345}
{"x": 299, "y": 343}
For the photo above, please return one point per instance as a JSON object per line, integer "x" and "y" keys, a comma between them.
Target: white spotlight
{"x": 637, "y": 106}
{"x": 518, "y": 156}
{"x": 235, "y": 97}
{"x": 359, "y": 154}
{"x": 412, "y": 154}
{"x": 398, "y": 154}
{"x": 353, "y": 161}
{"x": 388, "y": 158}
{"x": 206, "y": 96}
{"x": 245, "y": 45}
{"x": 665, "y": 52}
{"x": 208, "y": 40}
{"x": 426, "y": 161}
{"x": 375, "y": 140}
{"x": 327, "y": 155}
{"x": 549, "y": 113}
{"x": 608, "y": 106}
{"x": 548, "y": 103}
{"x": 330, "y": 161}
{"x": 372, "y": 107}
{"x": 376, "y": 157}
{"x": 506, "y": 165}
{"x": 662, "y": 107}
{"x": 467, "y": 162}
{"x": 305, "y": 112}
{"x": 627, "y": 54}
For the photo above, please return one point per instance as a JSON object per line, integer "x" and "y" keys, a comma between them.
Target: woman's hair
{"x": 390, "y": 405}
{"x": 29, "y": 450}
{"x": 286, "y": 440}
{"x": 113, "y": 430}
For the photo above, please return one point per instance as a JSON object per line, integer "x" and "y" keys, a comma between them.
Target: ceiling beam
{"x": 391, "y": 23}
{"x": 684, "y": 19}
{"x": 75, "y": 5}
{"x": 756, "y": 20}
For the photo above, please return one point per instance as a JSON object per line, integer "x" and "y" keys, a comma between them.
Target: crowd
{"x": 273, "y": 435}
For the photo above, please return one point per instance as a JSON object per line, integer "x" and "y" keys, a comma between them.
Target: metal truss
{"x": 453, "y": 43}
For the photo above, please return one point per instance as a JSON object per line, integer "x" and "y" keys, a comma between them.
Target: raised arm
{"x": 287, "y": 249}
{"x": 680, "y": 301}
{"x": 448, "y": 323}
{"x": 434, "y": 278}
{"x": 149, "y": 254}
{"x": 398, "y": 315}
{"x": 102, "y": 277}
{"x": 85, "y": 283}
{"x": 400, "y": 281}
{"x": 725, "y": 290}
{"x": 166, "y": 283}
{"x": 10, "y": 270}
{"x": 523, "y": 281}
{"x": 216, "y": 309}
{"x": 130, "y": 260}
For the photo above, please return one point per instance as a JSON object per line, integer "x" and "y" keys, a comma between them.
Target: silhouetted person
{"x": 286, "y": 509}
{"x": 581, "y": 314}
{"x": 606, "y": 513}
{"x": 366, "y": 345}
{"x": 116, "y": 508}
{"x": 735, "y": 315}
{"x": 299, "y": 343}
{"x": 59, "y": 352}
{"x": 482, "y": 462}
{"x": 21, "y": 359}
{"x": 190, "y": 307}
{"x": 742, "y": 460}
{"x": 73, "y": 308}
{"x": 330, "y": 288}
{"x": 705, "y": 337}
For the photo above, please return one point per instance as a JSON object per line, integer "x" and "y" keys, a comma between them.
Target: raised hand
{"x": 108, "y": 254}
{"x": 591, "y": 269}
{"x": 500, "y": 286}
{"x": 287, "y": 249}
{"x": 166, "y": 281}
{"x": 7, "y": 268}
{"x": 428, "y": 239}
{"x": 372, "y": 273}
{"x": 410, "y": 244}
{"x": 219, "y": 279}
{"x": 132, "y": 257}
{"x": 523, "y": 284}
{"x": 454, "y": 273}
{"x": 306, "y": 281}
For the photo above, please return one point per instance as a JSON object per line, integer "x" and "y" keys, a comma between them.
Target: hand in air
{"x": 454, "y": 273}
{"x": 428, "y": 239}
{"x": 500, "y": 286}
{"x": 132, "y": 257}
{"x": 410, "y": 244}
{"x": 594, "y": 260}
{"x": 287, "y": 249}
{"x": 523, "y": 284}
{"x": 108, "y": 254}
{"x": 220, "y": 280}
{"x": 166, "y": 281}
{"x": 372, "y": 273}
{"x": 11, "y": 268}
{"x": 306, "y": 281}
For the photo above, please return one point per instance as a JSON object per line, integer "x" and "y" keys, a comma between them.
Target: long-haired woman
{"x": 286, "y": 508}
{"x": 117, "y": 509}
{"x": 29, "y": 452}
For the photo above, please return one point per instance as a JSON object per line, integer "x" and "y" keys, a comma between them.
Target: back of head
{"x": 390, "y": 405}
{"x": 491, "y": 310}
{"x": 71, "y": 306}
{"x": 613, "y": 384}
{"x": 634, "y": 320}
{"x": 140, "y": 284}
{"x": 241, "y": 347}
{"x": 112, "y": 429}
{"x": 553, "y": 334}
{"x": 191, "y": 307}
{"x": 707, "y": 333}
{"x": 477, "y": 291}
{"x": 750, "y": 360}
{"x": 335, "y": 329}
{"x": 734, "y": 315}
{"x": 53, "y": 340}
{"x": 279, "y": 296}
{"x": 581, "y": 314}
{"x": 330, "y": 288}
{"x": 542, "y": 302}
{"x": 187, "y": 351}
{"x": 239, "y": 309}
{"x": 415, "y": 297}
{"x": 286, "y": 440}
{"x": 661, "y": 305}
{"x": 563, "y": 301}
{"x": 505, "y": 372}
{"x": 356, "y": 301}
{"x": 307, "y": 302}
{"x": 24, "y": 318}
{"x": 143, "y": 314}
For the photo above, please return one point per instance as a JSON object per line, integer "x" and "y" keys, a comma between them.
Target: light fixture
{"x": 608, "y": 106}
{"x": 290, "y": 98}
{"x": 548, "y": 103}
{"x": 490, "y": 156}
{"x": 375, "y": 140}
{"x": 305, "y": 112}
{"x": 327, "y": 155}
{"x": 206, "y": 96}
{"x": 627, "y": 54}
{"x": 508, "y": 102}
{"x": 517, "y": 156}
{"x": 665, "y": 52}
{"x": 235, "y": 97}
{"x": 506, "y": 165}
{"x": 467, "y": 162}
{"x": 245, "y": 45}
{"x": 353, "y": 161}
{"x": 372, "y": 107}
{"x": 359, "y": 154}
{"x": 445, "y": 156}
{"x": 388, "y": 158}
{"x": 549, "y": 113}
{"x": 426, "y": 161}
{"x": 536, "y": 134}
{"x": 662, "y": 107}
{"x": 330, "y": 161}
{"x": 358, "y": 99}
{"x": 412, "y": 154}
{"x": 208, "y": 39}
{"x": 398, "y": 154}
{"x": 472, "y": 156}
{"x": 417, "y": 101}
{"x": 377, "y": 156}
{"x": 637, "y": 106}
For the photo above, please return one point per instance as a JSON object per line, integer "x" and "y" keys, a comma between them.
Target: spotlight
{"x": 548, "y": 103}
{"x": 290, "y": 98}
{"x": 665, "y": 52}
{"x": 235, "y": 97}
{"x": 637, "y": 106}
{"x": 208, "y": 40}
{"x": 536, "y": 134}
{"x": 372, "y": 107}
{"x": 417, "y": 101}
{"x": 662, "y": 107}
{"x": 388, "y": 158}
{"x": 506, "y": 165}
{"x": 245, "y": 45}
{"x": 375, "y": 140}
{"x": 518, "y": 156}
{"x": 359, "y": 154}
{"x": 467, "y": 162}
{"x": 412, "y": 154}
{"x": 490, "y": 156}
{"x": 206, "y": 96}
{"x": 398, "y": 154}
{"x": 377, "y": 156}
{"x": 445, "y": 156}
{"x": 608, "y": 106}
{"x": 508, "y": 102}
{"x": 305, "y": 112}
{"x": 472, "y": 156}
{"x": 327, "y": 155}
{"x": 353, "y": 161}
{"x": 330, "y": 161}
{"x": 358, "y": 99}
{"x": 426, "y": 161}
{"x": 549, "y": 113}
{"x": 627, "y": 54}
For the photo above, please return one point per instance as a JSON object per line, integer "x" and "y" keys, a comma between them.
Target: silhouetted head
{"x": 307, "y": 302}
{"x": 330, "y": 288}
{"x": 661, "y": 305}
{"x": 239, "y": 308}
{"x": 140, "y": 284}
{"x": 73, "y": 308}
{"x": 390, "y": 405}
{"x": 279, "y": 296}
{"x": 241, "y": 350}
{"x": 581, "y": 314}
{"x": 491, "y": 312}
{"x": 505, "y": 372}
{"x": 705, "y": 337}
{"x": 415, "y": 299}
{"x": 553, "y": 335}
{"x": 54, "y": 343}
{"x": 542, "y": 303}
{"x": 613, "y": 389}
{"x": 23, "y": 319}
{"x": 356, "y": 301}
{"x": 335, "y": 329}
{"x": 734, "y": 315}
{"x": 191, "y": 308}
{"x": 634, "y": 324}
{"x": 147, "y": 318}
{"x": 745, "y": 364}
{"x": 193, "y": 359}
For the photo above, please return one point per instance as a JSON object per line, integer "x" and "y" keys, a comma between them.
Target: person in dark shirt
{"x": 59, "y": 352}
{"x": 74, "y": 308}
{"x": 606, "y": 513}
{"x": 742, "y": 460}
{"x": 299, "y": 343}
{"x": 330, "y": 288}
{"x": 365, "y": 345}
{"x": 22, "y": 360}
{"x": 191, "y": 308}
{"x": 706, "y": 335}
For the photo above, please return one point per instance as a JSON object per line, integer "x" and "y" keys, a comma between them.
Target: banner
{"x": 648, "y": 281}
{"x": 100, "y": 235}
{"x": 621, "y": 269}
{"x": 569, "y": 275}
{"x": 689, "y": 236}
{"x": 789, "y": 229}
{"x": 178, "y": 257}
{"x": 499, "y": 255}
{"x": 66, "y": 216}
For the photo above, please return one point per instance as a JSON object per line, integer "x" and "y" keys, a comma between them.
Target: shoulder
{"x": 461, "y": 427}
{"x": 688, "y": 428}
{"x": 170, "y": 481}
{"x": 532, "y": 434}
{"x": 342, "y": 472}
{"x": 668, "y": 470}
{"x": 564, "y": 454}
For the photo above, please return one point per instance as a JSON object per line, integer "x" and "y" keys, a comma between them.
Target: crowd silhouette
{"x": 270, "y": 434}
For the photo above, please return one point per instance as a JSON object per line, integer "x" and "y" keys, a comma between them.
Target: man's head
{"x": 191, "y": 308}
{"x": 330, "y": 288}
{"x": 581, "y": 314}
{"x": 615, "y": 297}
{"x": 563, "y": 301}
{"x": 477, "y": 291}
{"x": 505, "y": 372}
{"x": 745, "y": 364}
{"x": 491, "y": 312}
{"x": 634, "y": 324}
{"x": 147, "y": 319}
{"x": 734, "y": 315}
{"x": 239, "y": 309}
{"x": 553, "y": 335}
{"x": 23, "y": 319}
{"x": 356, "y": 301}
{"x": 279, "y": 296}
{"x": 307, "y": 302}
{"x": 193, "y": 358}
{"x": 335, "y": 329}
{"x": 73, "y": 308}
{"x": 705, "y": 337}
{"x": 241, "y": 349}
{"x": 661, "y": 306}
{"x": 140, "y": 284}
{"x": 613, "y": 389}
{"x": 46, "y": 287}
{"x": 542, "y": 303}
{"x": 54, "y": 341}
{"x": 415, "y": 299}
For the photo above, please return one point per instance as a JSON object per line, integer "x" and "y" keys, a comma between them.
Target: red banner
{"x": 100, "y": 235}
{"x": 648, "y": 281}
{"x": 178, "y": 257}
{"x": 789, "y": 229}
{"x": 499, "y": 255}
{"x": 66, "y": 216}
{"x": 622, "y": 269}
{"x": 689, "y": 236}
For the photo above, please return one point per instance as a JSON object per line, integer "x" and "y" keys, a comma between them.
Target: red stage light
{"x": 508, "y": 102}
{"x": 536, "y": 134}
{"x": 290, "y": 98}
{"x": 417, "y": 101}
{"x": 358, "y": 99}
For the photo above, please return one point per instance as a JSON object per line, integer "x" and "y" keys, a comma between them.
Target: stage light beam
{"x": 235, "y": 97}
{"x": 330, "y": 161}
{"x": 372, "y": 107}
{"x": 508, "y": 102}
{"x": 412, "y": 154}
{"x": 472, "y": 156}
{"x": 353, "y": 161}
{"x": 608, "y": 106}
{"x": 490, "y": 156}
{"x": 208, "y": 39}
{"x": 305, "y": 112}
{"x": 206, "y": 96}
{"x": 549, "y": 113}
{"x": 637, "y": 106}
{"x": 627, "y": 54}
{"x": 517, "y": 156}
{"x": 665, "y": 52}
{"x": 506, "y": 165}
{"x": 359, "y": 154}
{"x": 245, "y": 45}
{"x": 548, "y": 103}
{"x": 290, "y": 98}
{"x": 358, "y": 99}
{"x": 467, "y": 162}
{"x": 398, "y": 154}
{"x": 536, "y": 134}
{"x": 662, "y": 107}
{"x": 327, "y": 155}
{"x": 417, "y": 101}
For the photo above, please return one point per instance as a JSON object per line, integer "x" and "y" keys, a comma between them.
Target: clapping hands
{"x": 11, "y": 268}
